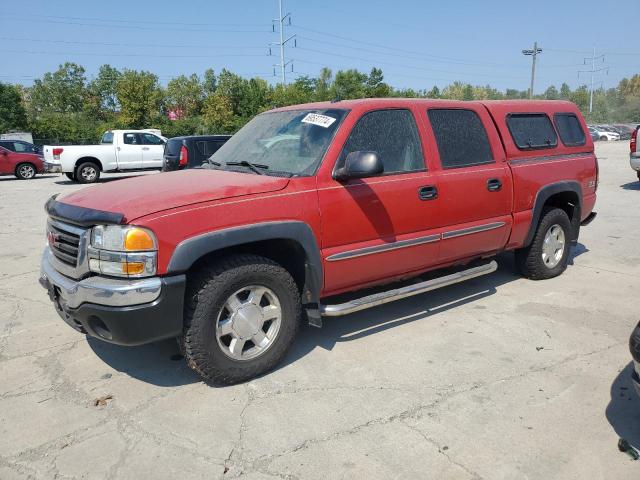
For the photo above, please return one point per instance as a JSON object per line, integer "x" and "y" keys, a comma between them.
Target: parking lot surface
{"x": 496, "y": 378}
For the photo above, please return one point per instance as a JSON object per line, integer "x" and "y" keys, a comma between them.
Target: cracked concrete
{"x": 496, "y": 378}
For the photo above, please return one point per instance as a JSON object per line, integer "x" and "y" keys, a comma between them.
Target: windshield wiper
{"x": 254, "y": 167}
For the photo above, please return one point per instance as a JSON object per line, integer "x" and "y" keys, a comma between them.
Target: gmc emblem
{"x": 52, "y": 238}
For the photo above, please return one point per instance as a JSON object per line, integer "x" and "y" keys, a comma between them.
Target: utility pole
{"x": 593, "y": 71}
{"x": 281, "y": 23}
{"x": 534, "y": 54}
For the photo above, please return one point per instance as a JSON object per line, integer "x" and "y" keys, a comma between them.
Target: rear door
{"x": 6, "y": 164}
{"x": 130, "y": 151}
{"x": 152, "y": 150}
{"x": 474, "y": 183}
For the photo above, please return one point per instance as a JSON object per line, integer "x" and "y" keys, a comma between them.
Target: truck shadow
{"x": 623, "y": 411}
{"x": 100, "y": 180}
{"x": 161, "y": 363}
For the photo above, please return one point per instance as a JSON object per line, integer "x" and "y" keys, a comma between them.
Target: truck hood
{"x": 143, "y": 195}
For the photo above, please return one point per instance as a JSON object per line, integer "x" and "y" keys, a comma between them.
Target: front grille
{"x": 64, "y": 241}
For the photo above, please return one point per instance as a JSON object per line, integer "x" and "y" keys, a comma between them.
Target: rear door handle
{"x": 428, "y": 192}
{"x": 145, "y": 148}
{"x": 494, "y": 185}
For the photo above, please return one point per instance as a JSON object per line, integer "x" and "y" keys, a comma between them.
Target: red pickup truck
{"x": 310, "y": 201}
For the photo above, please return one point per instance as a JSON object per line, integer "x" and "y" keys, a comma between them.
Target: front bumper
{"x": 634, "y": 346}
{"x": 52, "y": 167}
{"x": 634, "y": 160}
{"x": 125, "y": 312}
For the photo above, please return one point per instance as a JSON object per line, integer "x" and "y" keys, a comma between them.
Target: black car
{"x": 20, "y": 146}
{"x": 190, "y": 152}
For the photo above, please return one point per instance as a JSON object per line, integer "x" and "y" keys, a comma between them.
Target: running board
{"x": 404, "y": 292}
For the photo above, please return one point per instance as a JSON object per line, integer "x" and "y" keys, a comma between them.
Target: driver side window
{"x": 393, "y": 135}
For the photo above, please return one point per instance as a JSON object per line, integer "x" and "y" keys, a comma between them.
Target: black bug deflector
{"x": 81, "y": 215}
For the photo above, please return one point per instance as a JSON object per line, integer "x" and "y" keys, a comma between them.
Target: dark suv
{"x": 190, "y": 152}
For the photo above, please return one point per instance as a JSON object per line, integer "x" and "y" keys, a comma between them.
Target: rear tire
{"x": 548, "y": 253}
{"x": 87, "y": 172}
{"x": 222, "y": 324}
{"x": 604, "y": 138}
{"x": 25, "y": 171}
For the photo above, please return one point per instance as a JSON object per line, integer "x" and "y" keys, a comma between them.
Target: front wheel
{"x": 241, "y": 316}
{"x": 25, "y": 171}
{"x": 548, "y": 253}
{"x": 87, "y": 172}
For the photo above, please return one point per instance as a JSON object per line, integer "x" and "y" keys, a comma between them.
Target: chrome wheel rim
{"x": 26, "y": 171}
{"x": 88, "y": 173}
{"x": 248, "y": 322}
{"x": 553, "y": 246}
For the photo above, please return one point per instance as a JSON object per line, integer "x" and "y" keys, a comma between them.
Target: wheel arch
{"x": 566, "y": 195}
{"x": 87, "y": 159}
{"x": 292, "y": 244}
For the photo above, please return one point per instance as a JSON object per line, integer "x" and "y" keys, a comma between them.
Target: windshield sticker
{"x": 317, "y": 119}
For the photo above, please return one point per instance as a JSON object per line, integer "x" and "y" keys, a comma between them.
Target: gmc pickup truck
{"x": 119, "y": 151}
{"x": 311, "y": 201}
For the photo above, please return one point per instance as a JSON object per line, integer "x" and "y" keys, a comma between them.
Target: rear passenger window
{"x": 461, "y": 138}
{"x": 131, "y": 139}
{"x": 392, "y": 134}
{"x": 569, "y": 128}
{"x": 532, "y": 131}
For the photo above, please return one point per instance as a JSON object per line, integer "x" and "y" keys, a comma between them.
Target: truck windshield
{"x": 292, "y": 141}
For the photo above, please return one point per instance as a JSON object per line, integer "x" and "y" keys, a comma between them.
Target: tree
{"x": 101, "y": 100}
{"x": 349, "y": 84}
{"x": 185, "y": 94}
{"x": 218, "y": 114}
{"x": 551, "y": 93}
{"x": 580, "y": 96}
{"x": 13, "y": 115}
{"x": 434, "y": 92}
{"x": 61, "y": 91}
{"x": 565, "y": 91}
{"x": 210, "y": 82}
{"x": 375, "y": 86}
{"x": 140, "y": 98}
{"x": 323, "y": 84}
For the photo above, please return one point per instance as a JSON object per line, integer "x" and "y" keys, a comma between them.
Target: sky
{"x": 417, "y": 43}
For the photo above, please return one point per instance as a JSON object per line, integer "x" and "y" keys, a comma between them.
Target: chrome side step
{"x": 404, "y": 292}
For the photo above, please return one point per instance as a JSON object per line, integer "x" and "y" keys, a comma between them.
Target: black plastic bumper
{"x": 634, "y": 346}
{"x": 131, "y": 325}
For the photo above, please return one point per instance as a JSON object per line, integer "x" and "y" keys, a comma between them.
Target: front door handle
{"x": 145, "y": 148}
{"x": 428, "y": 192}
{"x": 494, "y": 185}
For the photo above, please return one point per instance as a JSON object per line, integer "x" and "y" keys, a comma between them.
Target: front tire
{"x": 548, "y": 253}
{"x": 25, "y": 171}
{"x": 241, "y": 316}
{"x": 87, "y": 172}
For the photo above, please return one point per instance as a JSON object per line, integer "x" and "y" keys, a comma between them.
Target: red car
{"x": 21, "y": 164}
{"x": 311, "y": 201}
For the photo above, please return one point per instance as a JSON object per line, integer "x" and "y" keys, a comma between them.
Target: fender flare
{"x": 190, "y": 250}
{"x": 541, "y": 198}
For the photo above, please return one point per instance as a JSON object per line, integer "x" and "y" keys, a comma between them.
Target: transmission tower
{"x": 593, "y": 71}
{"x": 280, "y": 21}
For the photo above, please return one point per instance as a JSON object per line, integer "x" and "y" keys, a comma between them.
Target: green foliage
{"x": 13, "y": 115}
{"x": 140, "y": 98}
{"x": 63, "y": 106}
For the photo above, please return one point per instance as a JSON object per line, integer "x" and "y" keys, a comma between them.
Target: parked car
{"x": 605, "y": 135}
{"x": 310, "y": 201}
{"x": 21, "y": 146}
{"x": 190, "y": 152}
{"x": 625, "y": 131}
{"x": 119, "y": 151}
{"x": 594, "y": 134}
{"x": 24, "y": 165}
{"x": 634, "y": 151}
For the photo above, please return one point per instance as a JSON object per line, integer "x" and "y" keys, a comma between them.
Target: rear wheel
{"x": 87, "y": 172}
{"x": 548, "y": 253}
{"x": 241, "y": 317}
{"x": 25, "y": 171}
{"x": 604, "y": 138}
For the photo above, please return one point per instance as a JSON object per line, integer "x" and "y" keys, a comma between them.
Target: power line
{"x": 91, "y": 54}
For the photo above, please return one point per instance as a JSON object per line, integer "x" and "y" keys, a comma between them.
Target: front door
{"x": 474, "y": 183}
{"x": 379, "y": 227}
{"x": 152, "y": 150}
{"x": 6, "y": 165}
{"x": 130, "y": 152}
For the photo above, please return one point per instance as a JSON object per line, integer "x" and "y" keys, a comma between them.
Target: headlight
{"x": 123, "y": 251}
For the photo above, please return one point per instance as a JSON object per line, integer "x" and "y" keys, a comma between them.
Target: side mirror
{"x": 360, "y": 165}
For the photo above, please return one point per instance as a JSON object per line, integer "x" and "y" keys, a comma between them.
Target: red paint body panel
{"x": 10, "y": 160}
{"x": 376, "y": 212}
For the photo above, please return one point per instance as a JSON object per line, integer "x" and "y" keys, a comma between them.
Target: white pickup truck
{"x": 119, "y": 151}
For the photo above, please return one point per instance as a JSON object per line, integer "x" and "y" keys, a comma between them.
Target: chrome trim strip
{"x": 67, "y": 228}
{"x": 382, "y": 248}
{"x": 81, "y": 268}
{"x": 549, "y": 158}
{"x": 99, "y": 290}
{"x": 470, "y": 230}
{"x": 404, "y": 292}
